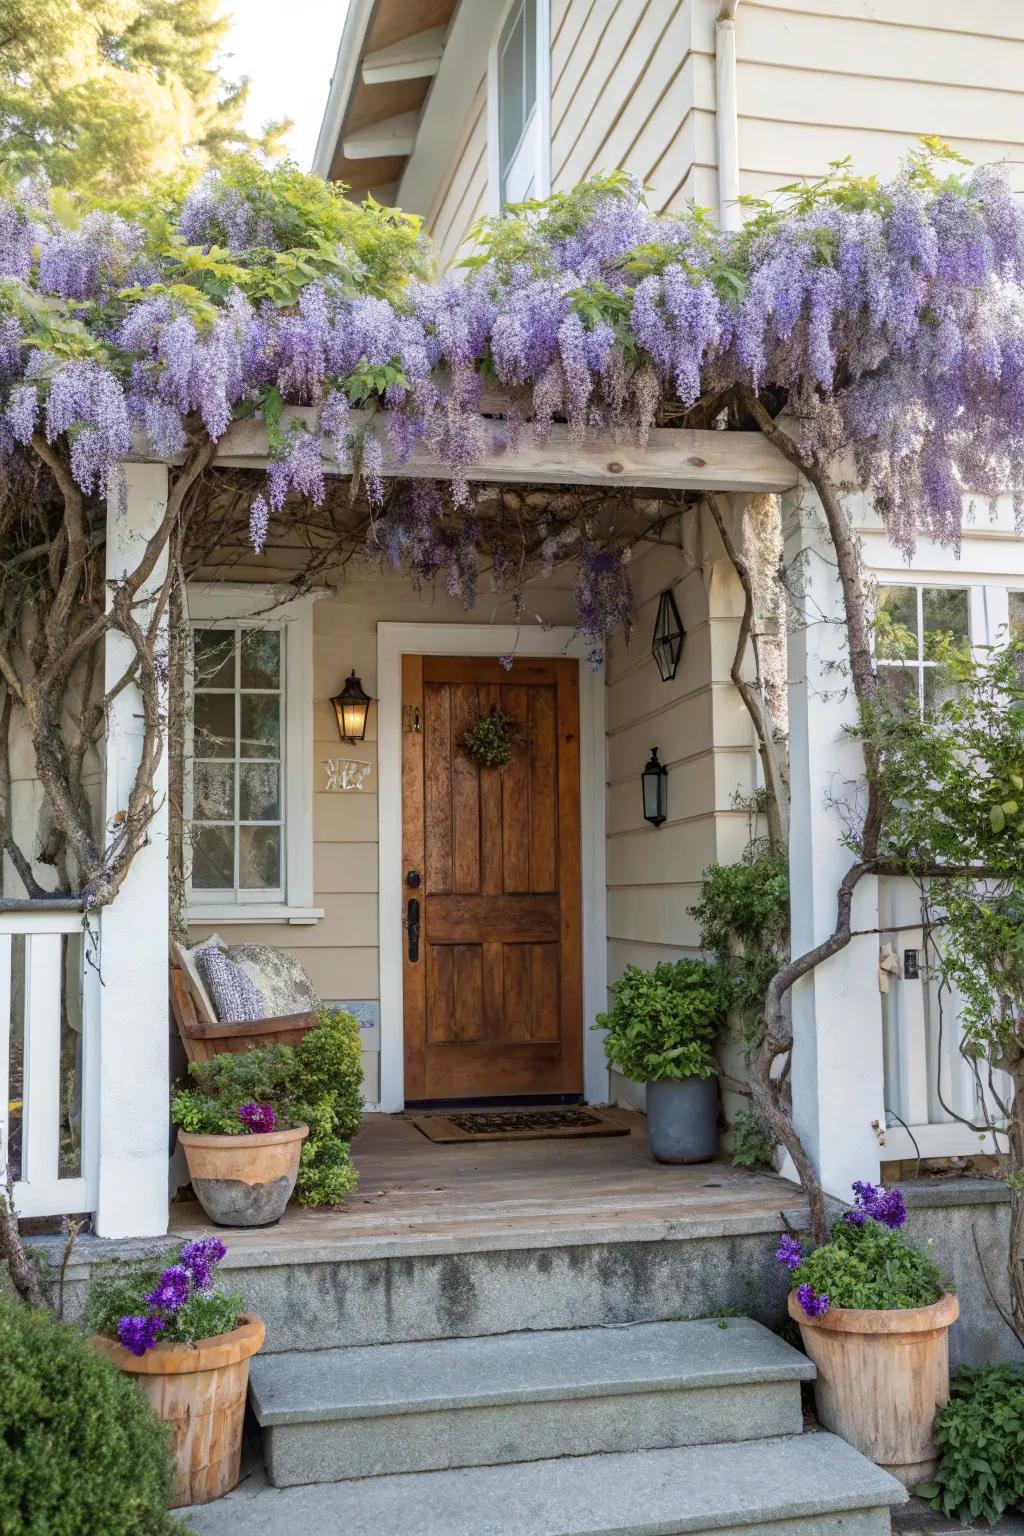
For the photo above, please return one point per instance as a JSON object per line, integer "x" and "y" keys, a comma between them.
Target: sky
{"x": 288, "y": 52}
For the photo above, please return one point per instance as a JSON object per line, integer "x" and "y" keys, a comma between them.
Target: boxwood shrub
{"x": 81, "y": 1451}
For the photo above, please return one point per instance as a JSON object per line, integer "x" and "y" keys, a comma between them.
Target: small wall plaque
{"x": 346, "y": 773}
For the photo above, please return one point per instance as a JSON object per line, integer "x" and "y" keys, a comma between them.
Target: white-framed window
{"x": 1016, "y": 606}
{"x": 519, "y": 87}
{"x": 910, "y": 622}
{"x": 248, "y": 750}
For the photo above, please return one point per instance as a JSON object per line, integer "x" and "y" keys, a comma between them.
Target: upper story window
{"x": 518, "y": 93}
{"x": 909, "y": 624}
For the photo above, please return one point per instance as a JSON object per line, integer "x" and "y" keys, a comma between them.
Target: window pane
{"x": 259, "y": 858}
{"x": 529, "y": 58}
{"x": 214, "y": 658}
{"x": 215, "y": 724}
{"x": 261, "y": 725}
{"x": 259, "y": 792}
{"x": 213, "y": 858}
{"x": 938, "y": 687}
{"x": 511, "y": 87}
{"x": 1016, "y": 615}
{"x": 896, "y": 624}
{"x": 261, "y": 658}
{"x": 213, "y": 792}
{"x": 946, "y": 612}
{"x": 898, "y": 687}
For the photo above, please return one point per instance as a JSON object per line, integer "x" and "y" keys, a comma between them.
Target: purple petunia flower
{"x": 138, "y": 1334}
{"x": 200, "y": 1258}
{"x": 789, "y": 1251}
{"x": 813, "y": 1304}
{"x": 172, "y": 1289}
{"x": 259, "y": 1119}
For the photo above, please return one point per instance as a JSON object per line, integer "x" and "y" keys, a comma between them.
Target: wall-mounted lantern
{"x": 669, "y": 634}
{"x": 352, "y": 706}
{"x": 654, "y": 781}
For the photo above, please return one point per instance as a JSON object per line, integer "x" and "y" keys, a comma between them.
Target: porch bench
{"x": 204, "y": 1037}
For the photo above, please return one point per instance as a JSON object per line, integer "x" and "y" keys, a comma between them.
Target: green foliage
{"x": 81, "y": 1451}
{"x": 664, "y": 1022}
{"x": 119, "y": 1289}
{"x": 743, "y": 914}
{"x": 870, "y": 1266}
{"x": 492, "y": 739}
{"x": 754, "y": 1147}
{"x": 316, "y": 1083}
{"x": 106, "y": 94}
{"x": 980, "y": 1439}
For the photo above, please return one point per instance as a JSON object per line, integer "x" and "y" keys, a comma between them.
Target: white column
{"x": 837, "y": 1075}
{"x": 133, "y": 1073}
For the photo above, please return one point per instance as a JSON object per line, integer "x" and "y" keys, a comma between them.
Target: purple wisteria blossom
{"x": 138, "y": 1334}
{"x": 813, "y": 1304}
{"x": 172, "y": 1289}
{"x": 201, "y": 1258}
{"x": 259, "y": 1119}
{"x": 789, "y": 1252}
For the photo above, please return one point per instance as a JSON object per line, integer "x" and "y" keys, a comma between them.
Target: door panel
{"x": 493, "y": 999}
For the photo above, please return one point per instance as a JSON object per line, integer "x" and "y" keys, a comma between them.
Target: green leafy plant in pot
{"x": 661, "y": 1031}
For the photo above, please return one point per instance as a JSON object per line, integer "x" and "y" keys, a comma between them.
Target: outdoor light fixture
{"x": 669, "y": 634}
{"x": 654, "y": 781}
{"x": 352, "y": 706}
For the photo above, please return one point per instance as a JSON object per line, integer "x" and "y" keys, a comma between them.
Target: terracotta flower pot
{"x": 882, "y": 1378}
{"x": 244, "y": 1181}
{"x": 199, "y": 1390}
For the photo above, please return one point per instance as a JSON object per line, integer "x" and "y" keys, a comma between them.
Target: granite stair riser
{"x": 474, "y": 1437}
{"x": 333, "y": 1304}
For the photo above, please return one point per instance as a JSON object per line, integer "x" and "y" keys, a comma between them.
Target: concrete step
{"x": 343, "y": 1413}
{"x": 801, "y": 1485}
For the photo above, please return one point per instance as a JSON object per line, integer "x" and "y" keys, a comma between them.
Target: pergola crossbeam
{"x": 674, "y": 458}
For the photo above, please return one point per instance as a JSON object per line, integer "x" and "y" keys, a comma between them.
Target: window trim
{"x": 243, "y": 605}
{"x": 542, "y": 170}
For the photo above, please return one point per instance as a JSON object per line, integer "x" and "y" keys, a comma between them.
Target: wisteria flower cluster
{"x": 885, "y": 322}
{"x": 143, "y": 1305}
{"x": 867, "y": 1262}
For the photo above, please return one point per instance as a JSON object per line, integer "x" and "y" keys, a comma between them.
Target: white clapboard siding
{"x": 40, "y": 1190}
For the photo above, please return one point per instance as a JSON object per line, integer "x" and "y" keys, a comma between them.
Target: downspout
{"x": 726, "y": 128}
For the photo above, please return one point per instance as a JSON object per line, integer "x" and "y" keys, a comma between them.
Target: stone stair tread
{"x": 793, "y": 1483}
{"x": 312, "y": 1386}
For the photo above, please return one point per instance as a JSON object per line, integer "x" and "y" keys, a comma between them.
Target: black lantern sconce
{"x": 654, "y": 782}
{"x": 352, "y": 706}
{"x": 669, "y": 634}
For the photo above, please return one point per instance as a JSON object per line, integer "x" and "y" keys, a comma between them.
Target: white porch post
{"x": 838, "y": 1094}
{"x": 133, "y": 1078}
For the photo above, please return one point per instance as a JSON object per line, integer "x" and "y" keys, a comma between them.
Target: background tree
{"x": 106, "y": 94}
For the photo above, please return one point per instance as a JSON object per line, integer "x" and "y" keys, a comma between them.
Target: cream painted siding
{"x": 462, "y": 195}
{"x": 702, "y": 733}
{"x": 340, "y": 951}
{"x": 633, "y": 87}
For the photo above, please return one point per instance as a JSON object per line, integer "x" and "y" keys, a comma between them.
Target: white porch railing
{"x": 48, "y": 1061}
{"x": 929, "y": 1085}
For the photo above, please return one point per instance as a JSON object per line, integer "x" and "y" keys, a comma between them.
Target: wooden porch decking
{"x": 416, "y": 1193}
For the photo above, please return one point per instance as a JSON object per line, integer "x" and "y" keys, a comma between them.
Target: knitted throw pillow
{"x": 235, "y": 996}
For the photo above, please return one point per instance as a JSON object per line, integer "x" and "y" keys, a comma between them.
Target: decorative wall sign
{"x": 368, "y": 1015}
{"x": 346, "y": 773}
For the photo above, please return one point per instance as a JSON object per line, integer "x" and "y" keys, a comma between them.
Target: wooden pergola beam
{"x": 413, "y": 58}
{"x": 674, "y": 458}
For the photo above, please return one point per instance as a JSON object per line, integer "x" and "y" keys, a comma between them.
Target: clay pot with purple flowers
{"x": 874, "y": 1315}
{"x": 245, "y": 1178}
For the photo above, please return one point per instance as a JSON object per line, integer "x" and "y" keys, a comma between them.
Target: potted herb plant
{"x": 188, "y": 1345}
{"x": 257, "y": 1125}
{"x": 661, "y": 1031}
{"x": 874, "y": 1315}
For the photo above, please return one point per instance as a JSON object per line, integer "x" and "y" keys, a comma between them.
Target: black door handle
{"x": 412, "y": 923}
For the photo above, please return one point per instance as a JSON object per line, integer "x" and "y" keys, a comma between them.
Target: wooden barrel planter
{"x": 882, "y": 1378}
{"x": 199, "y": 1390}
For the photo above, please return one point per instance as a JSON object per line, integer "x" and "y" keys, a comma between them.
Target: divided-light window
{"x": 237, "y": 777}
{"x": 911, "y": 625}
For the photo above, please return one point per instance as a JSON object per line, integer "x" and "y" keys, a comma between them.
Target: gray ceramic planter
{"x": 682, "y": 1119}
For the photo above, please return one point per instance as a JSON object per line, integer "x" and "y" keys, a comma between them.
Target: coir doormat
{"x": 517, "y": 1125}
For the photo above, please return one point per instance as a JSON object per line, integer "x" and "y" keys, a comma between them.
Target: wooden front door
{"x": 493, "y": 988}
